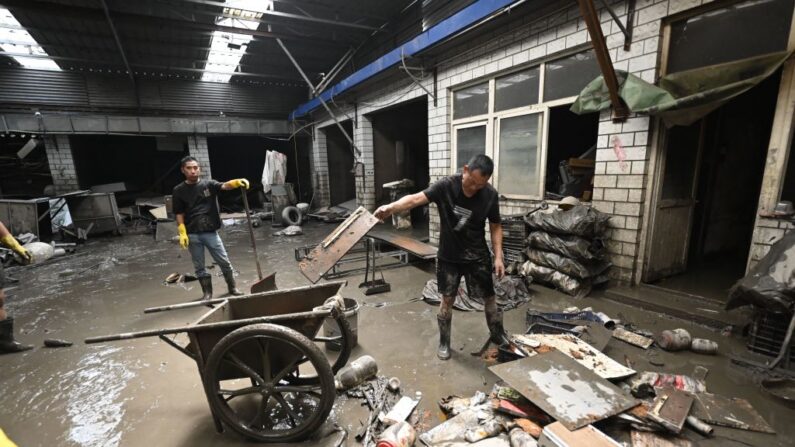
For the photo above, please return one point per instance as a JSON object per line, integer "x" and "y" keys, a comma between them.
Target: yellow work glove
{"x": 239, "y": 183}
{"x": 183, "y": 236}
{"x": 4, "y": 441}
{"x": 12, "y": 243}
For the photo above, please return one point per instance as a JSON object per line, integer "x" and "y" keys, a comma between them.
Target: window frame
{"x": 491, "y": 118}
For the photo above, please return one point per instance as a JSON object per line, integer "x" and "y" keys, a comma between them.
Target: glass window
{"x": 516, "y": 90}
{"x": 470, "y": 141}
{"x": 568, "y": 76}
{"x": 518, "y": 165}
{"x": 727, "y": 34}
{"x": 471, "y": 101}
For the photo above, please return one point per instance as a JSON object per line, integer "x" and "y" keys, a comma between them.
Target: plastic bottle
{"x": 401, "y": 434}
{"x": 704, "y": 346}
{"x": 357, "y": 372}
{"x": 488, "y": 429}
{"x": 675, "y": 340}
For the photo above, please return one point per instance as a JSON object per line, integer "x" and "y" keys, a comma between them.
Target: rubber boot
{"x": 230, "y": 283}
{"x": 497, "y": 333}
{"x": 207, "y": 287}
{"x": 7, "y": 342}
{"x": 444, "y": 338}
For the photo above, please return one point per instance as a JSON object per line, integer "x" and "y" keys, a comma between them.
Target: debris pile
{"x": 565, "y": 249}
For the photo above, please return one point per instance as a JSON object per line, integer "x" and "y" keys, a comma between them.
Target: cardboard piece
{"x": 556, "y": 435}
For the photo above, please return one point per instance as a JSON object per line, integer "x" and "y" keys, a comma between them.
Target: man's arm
{"x": 8, "y": 240}
{"x": 183, "y": 232}
{"x": 496, "y": 245}
{"x": 234, "y": 184}
{"x": 403, "y": 204}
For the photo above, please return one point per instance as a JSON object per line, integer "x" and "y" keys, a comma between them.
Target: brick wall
{"x": 197, "y": 147}
{"x": 620, "y": 185}
{"x": 62, "y": 165}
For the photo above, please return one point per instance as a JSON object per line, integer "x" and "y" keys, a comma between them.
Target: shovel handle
{"x": 251, "y": 231}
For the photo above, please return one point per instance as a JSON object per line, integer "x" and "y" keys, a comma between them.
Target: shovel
{"x": 264, "y": 284}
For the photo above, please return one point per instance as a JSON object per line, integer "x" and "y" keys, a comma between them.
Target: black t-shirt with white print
{"x": 463, "y": 237}
{"x": 198, "y": 203}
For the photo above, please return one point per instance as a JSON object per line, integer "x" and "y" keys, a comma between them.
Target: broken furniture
{"x": 249, "y": 349}
{"x": 96, "y": 210}
{"x": 27, "y": 216}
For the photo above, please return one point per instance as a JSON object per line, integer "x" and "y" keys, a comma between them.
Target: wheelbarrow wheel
{"x": 252, "y": 380}
{"x": 345, "y": 339}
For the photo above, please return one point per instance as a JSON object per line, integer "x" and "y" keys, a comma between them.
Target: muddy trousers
{"x": 213, "y": 243}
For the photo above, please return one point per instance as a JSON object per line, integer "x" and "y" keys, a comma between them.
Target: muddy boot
{"x": 230, "y": 283}
{"x": 207, "y": 287}
{"x": 7, "y": 342}
{"x": 497, "y": 333}
{"x": 444, "y": 337}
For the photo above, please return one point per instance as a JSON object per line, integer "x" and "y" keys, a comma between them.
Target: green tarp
{"x": 684, "y": 97}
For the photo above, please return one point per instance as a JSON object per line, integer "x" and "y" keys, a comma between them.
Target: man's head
{"x": 477, "y": 173}
{"x": 190, "y": 169}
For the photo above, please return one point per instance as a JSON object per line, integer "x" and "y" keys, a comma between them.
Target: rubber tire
{"x": 291, "y": 216}
{"x": 316, "y": 358}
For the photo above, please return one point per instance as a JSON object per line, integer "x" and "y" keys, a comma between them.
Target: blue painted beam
{"x": 448, "y": 27}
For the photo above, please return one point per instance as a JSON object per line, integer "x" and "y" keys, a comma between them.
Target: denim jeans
{"x": 213, "y": 243}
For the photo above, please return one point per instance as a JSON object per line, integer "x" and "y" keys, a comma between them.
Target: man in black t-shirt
{"x": 196, "y": 209}
{"x": 464, "y": 202}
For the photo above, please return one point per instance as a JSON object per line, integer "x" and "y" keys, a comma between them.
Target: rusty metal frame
{"x": 626, "y": 30}
{"x": 591, "y": 18}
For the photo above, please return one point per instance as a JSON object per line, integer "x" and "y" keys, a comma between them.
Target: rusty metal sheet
{"x": 632, "y": 338}
{"x": 585, "y": 354}
{"x": 568, "y": 391}
{"x": 323, "y": 257}
{"x": 417, "y": 248}
{"x": 729, "y": 412}
{"x": 670, "y": 409}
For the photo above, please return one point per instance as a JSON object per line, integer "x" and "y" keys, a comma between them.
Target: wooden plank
{"x": 557, "y": 435}
{"x": 409, "y": 244}
{"x": 585, "y": 354}
{"x": 651, "y": 439}
{"x": 632, "y": 338}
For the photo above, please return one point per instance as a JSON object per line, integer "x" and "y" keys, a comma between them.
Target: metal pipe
{"x": 335, "y": 70}
{"x": 357, "y": 154}
{"x": 211, "y": 326}
{"x": 121, "y": 52}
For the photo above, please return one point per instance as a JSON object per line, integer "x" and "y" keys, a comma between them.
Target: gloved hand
{"x": 183, "y": 236}
{"x": 239, "y": 183}
{"x": 12, "y": 243}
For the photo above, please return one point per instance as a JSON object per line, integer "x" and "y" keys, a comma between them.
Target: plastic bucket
{"x": 331, "y": 329}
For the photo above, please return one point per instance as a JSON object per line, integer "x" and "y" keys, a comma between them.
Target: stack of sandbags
{"x": 565, "y": 249}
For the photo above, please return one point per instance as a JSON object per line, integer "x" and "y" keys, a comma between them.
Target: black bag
{"x": 571, "y": 267}
{"x": 567, "y": 245}
{"x": 770, "y": 284}
{"x": 556, "y": 279}
{"x": 580, "y": 220}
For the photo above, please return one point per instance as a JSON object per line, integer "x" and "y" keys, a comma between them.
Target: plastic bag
{"x": 770, "y": 284}
{"x": 571, "y": 267}
{"x": 580, "y": 220}
{"x": 554, "y": 278}
{"x": 567, "y": 245}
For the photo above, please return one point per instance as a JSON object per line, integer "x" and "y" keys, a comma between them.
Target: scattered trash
{"x": 57, "y": 343}
{"x": 520, "y": 438}
{"x": 675, "y": 340}
{"x": 393, "y": 384}
{"x": 357, "y": 372}
{"x": 400, "y": 411}
{"x": 662, "y": 380}
{"x": 401, "y": 434}
{"x": 769, "y": 284}
{"x": 529, "y": 427}
{"x": 632, "y": 338}
{"x": 585, "y": 354}
{"x": 651, "y": 439}
{"x": 39, "y": 251}
{"x": 699, "y": 426}
{"x": 179, "y": 278}
{"x": 292, "y": 230}
{"x": 643, "y": 390}
{"x": 487, "y": 429}
{"x": 568, "y": 391}
{"x": 558, "y": 435}
{"x": 455, "y": 405}
{"x": 704, "y": 346}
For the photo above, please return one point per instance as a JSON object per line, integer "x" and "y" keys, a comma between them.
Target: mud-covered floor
{"x": 144, "y": 393}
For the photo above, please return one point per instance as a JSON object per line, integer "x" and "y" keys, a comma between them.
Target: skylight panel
{"x": 226, "y": 49}
{"x": 20, "y": 41}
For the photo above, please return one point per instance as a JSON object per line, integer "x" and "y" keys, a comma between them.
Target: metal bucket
{"x": 330, "y": 328}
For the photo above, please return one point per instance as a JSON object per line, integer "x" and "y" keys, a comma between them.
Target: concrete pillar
{"x": 62, "y": 164}
{"x": 197, "y": 147}
{"x": 320, "y": 180}
{"x": 365, "y": 184}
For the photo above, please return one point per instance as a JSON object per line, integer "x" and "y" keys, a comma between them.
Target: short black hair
{"x": 186, "y": 159}
{"x": 482, "y": 163}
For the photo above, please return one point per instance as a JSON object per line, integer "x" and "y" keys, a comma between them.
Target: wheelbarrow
{"x": 263, "y": 373}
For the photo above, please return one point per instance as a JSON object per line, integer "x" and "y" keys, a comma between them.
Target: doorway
{"x": 342, "y": 181}
{"x": 711, "y": 176}
{"x": 400, "y": 147}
